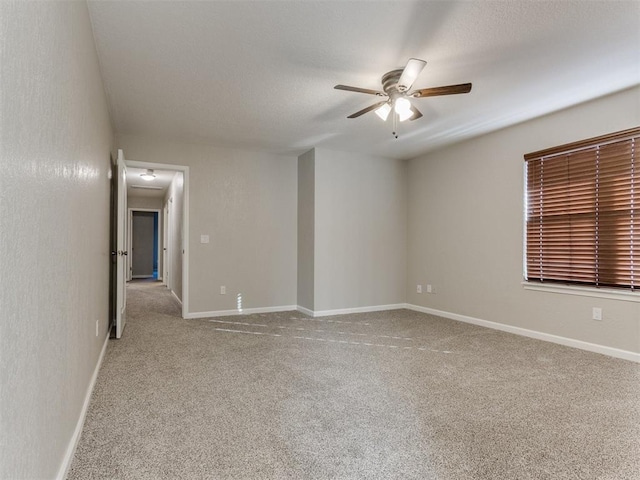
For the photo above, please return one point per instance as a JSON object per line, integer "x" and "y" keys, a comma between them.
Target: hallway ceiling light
{"x": 148, "y": 175}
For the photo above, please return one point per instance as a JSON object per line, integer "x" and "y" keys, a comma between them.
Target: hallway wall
{"x": 55, "y": 140}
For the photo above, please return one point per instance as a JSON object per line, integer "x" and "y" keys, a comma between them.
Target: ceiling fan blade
{"x": 416, "y": 114}
{"x": 359, "y": 90}
{"x": 410, "y": 73}
{"x": 367, "y": 110}
{"x": 448, "y": 90}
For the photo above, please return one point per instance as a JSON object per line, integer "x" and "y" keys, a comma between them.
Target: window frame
{"x": 623, "y": 292}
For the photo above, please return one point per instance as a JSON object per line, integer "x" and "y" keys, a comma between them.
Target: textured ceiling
{"x": 261, "y": 74}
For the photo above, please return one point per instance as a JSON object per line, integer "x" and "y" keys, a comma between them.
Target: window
{"x": 583, "y": 212}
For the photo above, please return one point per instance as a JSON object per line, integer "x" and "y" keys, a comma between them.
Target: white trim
{"x": 343, "y": 311}
{"x": 569, "y": 342}
{"x": 185, "y": 237}
{"x": 244, "y": 311}
{"x": 63, "y": 471}
{"x": 304, "y": 310}
{"x": 609, "y": 293}
{"x": 176, "y": 297}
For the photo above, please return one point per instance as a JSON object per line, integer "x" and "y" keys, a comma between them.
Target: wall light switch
{"x": 223, "y": 290}
{"x": 204, "y": 238}
{"x": 418, "y": 288}
{"x": 429, "y": 288}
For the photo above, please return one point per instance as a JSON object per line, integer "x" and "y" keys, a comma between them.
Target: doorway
{"x": 145, "y": 260}
{"x": 162, "y": 206}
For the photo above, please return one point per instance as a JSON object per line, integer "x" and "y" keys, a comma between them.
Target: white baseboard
{"x": 176, "y": 297}
{"x": 343, "y": 311}
{"x": 568, "y": 342}
{"x": 63, "y": 471}
{"x": 288, "y": 308}
{"x": 244, "y": 311}
{"x": 304, "y": 310}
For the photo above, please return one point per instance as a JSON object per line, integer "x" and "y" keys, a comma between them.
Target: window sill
{"x": 610, "y": 293}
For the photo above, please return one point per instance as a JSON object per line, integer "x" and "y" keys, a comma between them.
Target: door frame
{"x": 113, "y": 243}
{"x": 185, "y": 221}
{"x": 166, "y": 261}
{"x": 130, "y": 239}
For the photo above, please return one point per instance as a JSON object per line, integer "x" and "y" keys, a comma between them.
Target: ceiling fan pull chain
{"x": 395, "y": 124}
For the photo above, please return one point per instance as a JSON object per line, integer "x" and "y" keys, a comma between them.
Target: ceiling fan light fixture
{"x": 383, "y": 111}
{"x": 397, "y": 87}
{"x": 148, "y": 175}
{"x": 403, "y": 108}
{"x": 405, "y": 115}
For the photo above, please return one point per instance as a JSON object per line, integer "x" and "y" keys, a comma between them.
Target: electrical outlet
{"x": 418, "y": 288}
{"x": 597, "y": 313}
{"x": 429, "y": 289}
{"x": 223, "y": 290}
{"x": 97, "y": 327}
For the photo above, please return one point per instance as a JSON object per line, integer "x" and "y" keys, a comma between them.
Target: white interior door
{"x": 121, "y": 288}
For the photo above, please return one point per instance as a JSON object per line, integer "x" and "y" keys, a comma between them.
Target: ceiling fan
{"x": 396, "y": 85}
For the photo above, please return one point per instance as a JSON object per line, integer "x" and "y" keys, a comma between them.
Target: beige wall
{"x": 306, "y": 228}
{"x": 466, "y": 226}
{"x": 55, "y": 139}
{"x": 360, "y": 231}
{"x": 246, "y": 202}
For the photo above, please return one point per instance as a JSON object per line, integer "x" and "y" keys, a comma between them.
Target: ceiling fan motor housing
{"x": 390, "y": 84}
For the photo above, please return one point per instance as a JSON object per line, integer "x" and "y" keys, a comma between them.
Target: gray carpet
{"x": 388, "y": 395}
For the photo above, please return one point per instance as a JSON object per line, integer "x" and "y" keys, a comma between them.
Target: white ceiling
{"x": 261, "y": 74}
{"x": 159, "y": 185}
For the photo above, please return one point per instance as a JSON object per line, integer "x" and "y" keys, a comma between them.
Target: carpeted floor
{"x": 388, "y": 395}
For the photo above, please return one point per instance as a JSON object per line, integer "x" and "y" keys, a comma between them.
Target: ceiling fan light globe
{"x": 383, "y": 111}
{"x": 405, "y": 115}
{"x": 403, "y": 108}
